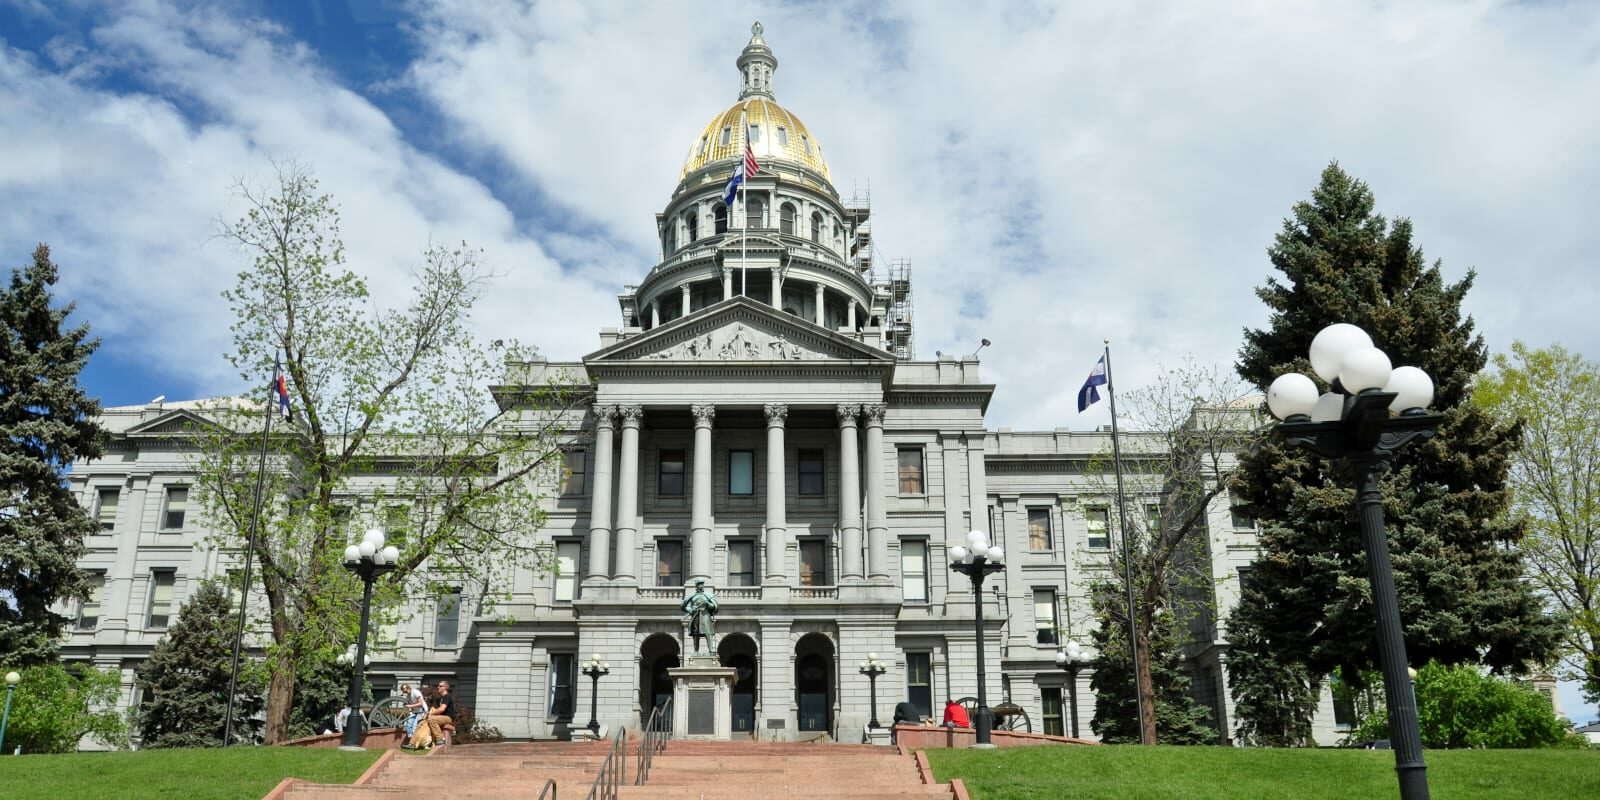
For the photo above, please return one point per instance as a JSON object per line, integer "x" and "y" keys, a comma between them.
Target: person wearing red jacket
{"x": 955, "y": 716}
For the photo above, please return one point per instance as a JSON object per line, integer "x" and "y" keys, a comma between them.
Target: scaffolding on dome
{"x": 890, "y": 278}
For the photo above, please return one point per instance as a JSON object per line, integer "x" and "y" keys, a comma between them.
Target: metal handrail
{"x": 613, "y": 770}
{"x": 549, "y": 789}
{"x": 656, "y": 733}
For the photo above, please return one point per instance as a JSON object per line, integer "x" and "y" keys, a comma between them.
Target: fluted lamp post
{"x": 1371, "y": 411}
{"x": 367, "y": 560}
{"x": 978, "y": 560}
{"x": 594, "y": 669}
{"x": 1072, "y": 659}
{"x": 872, "y": 668}
{"x": 12, "y": 679}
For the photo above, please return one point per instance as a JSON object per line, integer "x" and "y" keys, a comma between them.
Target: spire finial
{"x": 755, "y": 30}
{"x": 756, "y": 65}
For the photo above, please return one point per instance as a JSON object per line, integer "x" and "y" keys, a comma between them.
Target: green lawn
{"x": 1125, "y": 772}
{"x": 240, "y": 773}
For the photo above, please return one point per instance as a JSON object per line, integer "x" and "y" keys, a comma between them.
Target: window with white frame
{"x": 572, "y": 471}
{"x": 669, "y": 480}
{"x": 1044, "y": 615}
{"x": 910, "y": 464}
{"x": 1097, "y": 519}
{"x": 669, "y": 562}
{"x": 447, "y": 619}
{"x": 89, "y": 609}
{"x": 1240, "y": 517}
{"x": 919, "y": 682}
{"x": 563, "y": 679}
{"x": 742, "y": 472}
{"x": 727, "y": 134}
{"x": 741, "y": 562}
{"x": 1039, "y": 534}
{"x": 914, "y": 570}
{"x": 566, "y": 588}
{"x": 813, "y": 562}
{"x": 1050, "y": 700}
{"x": 105, "y": 507}
{"x": 174, "y": 508}
{"x": 158, "y": 608}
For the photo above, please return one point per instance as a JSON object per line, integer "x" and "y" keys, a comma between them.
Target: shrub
{"x": 1461, "y": 707}
{"x": 55, "y": 707}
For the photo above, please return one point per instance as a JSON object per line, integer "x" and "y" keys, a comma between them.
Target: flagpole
{"x": 250, "y": 554}
{"x": 744, "y": 202}
{"x": 1127, "y": 550}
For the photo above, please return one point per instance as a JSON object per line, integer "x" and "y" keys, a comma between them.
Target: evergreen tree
{"x": 1179, "y": 719}
{"x": 1457, "y": 567}
{"x": 46, "y": 421}
{"x": 1273, "y": 701}
{"x": 186, "y": 678}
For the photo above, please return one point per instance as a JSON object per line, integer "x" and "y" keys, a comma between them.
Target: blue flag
{"x": 733, "y": 185}
{"x": 1088, "y": 395}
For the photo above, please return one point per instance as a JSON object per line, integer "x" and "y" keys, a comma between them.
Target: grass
{"x": 1201, "y": 773}
{"x": 240, "y": 773}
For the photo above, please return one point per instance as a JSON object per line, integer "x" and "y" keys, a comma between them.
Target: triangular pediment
{"x": 739, "y": 330}
{"x": 182, "y": 422}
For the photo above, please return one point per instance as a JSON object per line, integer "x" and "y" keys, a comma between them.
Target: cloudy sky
{"x": 1057, "y": 174}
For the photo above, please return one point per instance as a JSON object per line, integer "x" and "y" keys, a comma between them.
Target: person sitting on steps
{"x": 443, "y": 713}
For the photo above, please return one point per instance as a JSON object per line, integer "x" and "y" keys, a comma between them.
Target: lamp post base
{"x": 353, "y": 748}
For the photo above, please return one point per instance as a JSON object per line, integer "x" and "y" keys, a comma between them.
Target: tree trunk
{"x": 1147, "y": 691}
{"x": 280, "y": 696}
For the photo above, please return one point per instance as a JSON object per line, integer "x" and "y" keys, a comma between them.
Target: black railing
{"x": 656, "y": 733}
{"x": 549, "y": 789}
{"x": 613, "y": 771}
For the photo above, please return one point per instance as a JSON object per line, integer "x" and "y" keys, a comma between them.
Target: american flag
{"x": 750, "y": 165}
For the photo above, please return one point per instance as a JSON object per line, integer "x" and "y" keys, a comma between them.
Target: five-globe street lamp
{"x": 1372, "y": 410}
{"x": 12, "y": 679}
{"x": 978, "y": 560}
{"x": 1072, "y": 659}
{"x": 367, "y": 560}
{"x": 594, "y": 669}
{"x": 872, "y": 668}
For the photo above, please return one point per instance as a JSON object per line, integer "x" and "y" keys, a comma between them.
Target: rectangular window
{"x": 669, "y": 562}
{"x": 89, "y": 610}
{"x": 742, "y": 472}
{"x": 1245, "y": 583}
{"x": 447, "y": 619}
{"x": 783, "y": 137}
{"x": 813, "y": 562}
{"x": 919, "y": 682}
{"x": 810, "y": 472}
{"x": 1152, "y": 518}
{"x": 105, "y": 511}
{"x": 914, "y": 570}
{"x": 1241, "y": 518}
{"x": 177, "y": 503}
{"x": 160, "y": 605}
{"x": 805, "y": 141}
{"x": 566, "y": 571}
{"x": 741, "y": 562}
{"x": 703, "y": 144}
{"x": 755, "y": 133}
{"x": 572, "y": 472}
{"x": 910, "y": 470}
{"x": 727, "y": 135}
{"x": 563, "y": 676}
{"x": 1050, "y": 699}
{"x": 1098, "y": 520}
{"x": 1044, "y": 615}
{"x": 396, "y": 524}
{"x": 670, "y": 483}
{"x": 1039, "y": 529}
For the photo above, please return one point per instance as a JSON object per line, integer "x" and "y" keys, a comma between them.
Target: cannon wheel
{"x": 1016, "y": 721}
{"x": 390, "y": 712}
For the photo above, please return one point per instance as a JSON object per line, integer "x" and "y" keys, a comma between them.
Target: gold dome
{"x": 779, "y": 135}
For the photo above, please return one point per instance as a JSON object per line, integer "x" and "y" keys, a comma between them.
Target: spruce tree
{"x": 1179, "y": 719}
{"x": 1454, "y": 547}
{"x": 46, "y": 421}
{"x": 185, "y": 680}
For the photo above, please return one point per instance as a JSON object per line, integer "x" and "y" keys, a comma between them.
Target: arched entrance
{"x": 739, "y": 651}
{"x": 813, "y": 682}
{"x": 657, "y": 654}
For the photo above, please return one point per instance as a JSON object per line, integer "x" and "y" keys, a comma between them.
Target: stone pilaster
{"x": 777, "y": 514}
{"x": 625, "y": 570}
{"x": 877, "y": 521}
{"x": 849, "y": 493}
{"x": 700, "y": 511}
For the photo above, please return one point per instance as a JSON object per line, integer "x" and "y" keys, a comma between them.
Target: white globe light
{"x": 958, "y": 553}
{"x": 352, "y": 554}
{"x": 997, "y": 553}
{"x": 1290, "y": 395}
{"x": 1412, "y": 388}
{"x": 1061, "y": 658}
{"x": 1074, "y": 649}
{"x": 968, "y": 558}
{"x": 377, "y": 558}
{"x": 978, "y": 539}
{"x": 13, "y": 678}
{"x": 1363, "y": 369}
{"x": 872, "y": 656}
{"x": 391, "y": 554}
{"x": 374, "y": 535}
{"x": 1330, "y": 407}
{"x": 1330, "y": 346}
{"x": 365, "y": 549}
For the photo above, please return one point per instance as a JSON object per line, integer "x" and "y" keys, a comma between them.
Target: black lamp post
{"x": 1353, "y": 427}
{"x": 1072, "y": 659}
{"x": 977, "y": 563}
{"x": 594, "y": 669}
{"x": 872, "y": 668}
{"x": 367, "y": 560}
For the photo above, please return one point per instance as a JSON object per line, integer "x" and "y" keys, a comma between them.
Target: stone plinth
{"x": 702, "y": 699}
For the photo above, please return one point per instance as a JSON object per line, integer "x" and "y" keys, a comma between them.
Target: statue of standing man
{"x": 700, "y": 613}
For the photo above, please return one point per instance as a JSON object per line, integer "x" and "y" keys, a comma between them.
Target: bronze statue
{"x": 700, "y": 614}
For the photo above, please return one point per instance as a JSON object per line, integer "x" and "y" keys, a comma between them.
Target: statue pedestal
{"x": 702, "y": 699}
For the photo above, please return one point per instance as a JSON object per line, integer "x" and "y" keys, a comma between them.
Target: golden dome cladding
{"x": 801, "y": 147}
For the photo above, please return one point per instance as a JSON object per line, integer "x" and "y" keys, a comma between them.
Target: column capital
{"x": 630, "y": 414}
{"x": 777, "y": 414}
{"x": 847, "y": 414}
{"x": 605, "y": 414}
{"x": 874, "y": 412}
{"x": 703, "y": 414}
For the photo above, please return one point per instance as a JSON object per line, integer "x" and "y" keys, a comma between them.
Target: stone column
{"x": 727, "y": 283}
{"x": 600, "y": 496}
{"x": 626, "y": 567}
{"x": 877, "y": 522}
{"x": 849, "y": 493}
{"x": 820, "y": 316}
{"x": 685, "y": 301}
{"x": 777, "y": 524}
{"x": 777, "y": 288}
{"x": 655, "y": 313}
{"x": 700, "y": 509}
{"x": 850, "y": 315}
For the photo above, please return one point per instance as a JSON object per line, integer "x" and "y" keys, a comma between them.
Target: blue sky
{"x": 1057, "y": 174}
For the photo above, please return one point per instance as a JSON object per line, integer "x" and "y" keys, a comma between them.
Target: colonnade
{"x": 606, "y": 534}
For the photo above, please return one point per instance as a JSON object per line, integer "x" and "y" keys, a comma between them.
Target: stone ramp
{"x": 686, "y": 770}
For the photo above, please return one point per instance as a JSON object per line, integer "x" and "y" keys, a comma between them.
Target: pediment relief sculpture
{"x": 737, "y": 342}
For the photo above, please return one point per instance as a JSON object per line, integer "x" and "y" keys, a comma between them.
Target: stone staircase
{"x": 684, "y": 771}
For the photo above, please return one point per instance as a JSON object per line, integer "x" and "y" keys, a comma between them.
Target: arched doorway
{"x": 658, "y": 654}
{"x": 813, "y": 682}
{"x": 739, "y": 651}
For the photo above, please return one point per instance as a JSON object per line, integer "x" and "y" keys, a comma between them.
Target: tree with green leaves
{"x": 46, "y": 421}
{"x": 1457, "y": 563}
{"x": 1178, "y": 718}
{"x": 1461, "y": 707}
{"x": 56, "y": 707}
{"x": 1555, "y": 485}
{"x": 392, "y": 426}
{"x": 185, "y": 680}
